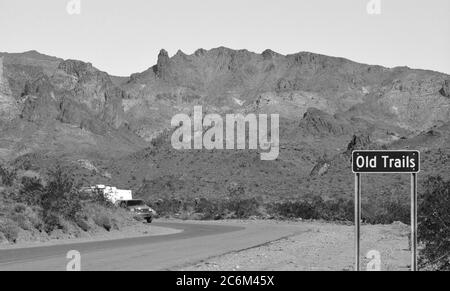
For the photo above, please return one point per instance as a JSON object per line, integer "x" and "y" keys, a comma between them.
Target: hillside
{"x": 223, "y": 79}
{"x": 116, "y": 130}
{"x": 60, "y": 107}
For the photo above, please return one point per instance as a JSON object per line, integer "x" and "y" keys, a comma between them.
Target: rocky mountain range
{"x": 54, "y": 109}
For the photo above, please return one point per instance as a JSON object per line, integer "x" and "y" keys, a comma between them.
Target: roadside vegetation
{"x": 237, "y": 204}
{"x": 434, "y": 225}
{"x": 35, "y": 209}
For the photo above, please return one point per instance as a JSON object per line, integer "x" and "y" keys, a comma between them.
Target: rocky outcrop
{"x": 39, "y": 100}
{"x": 268, "y": 54}
{"x": 358, "y": 142}
{"x": 38, "y": 109}
{"x": 408, "y": 98}
{"x": 162, "y": 67}
{"x": 317, "y": 122}
{"x": 39, "y": 87}
{"x": 112, "y": 112}
{"x": 78, "y": 69}
{"x": 4, "y": 87}
{"x": 72, "y": 112}
{"x": 321, "y": 168}
{"x": 78, "y": 114}
{"x": 93, "y": 89}
{"x": 445, "y": 91}
{"x": 8, "y": 105}
{"x": 200, "y": 52}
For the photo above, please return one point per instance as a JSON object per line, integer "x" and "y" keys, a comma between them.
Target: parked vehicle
{"x": 111, "y": 193}
{"x": 140, "y": 210}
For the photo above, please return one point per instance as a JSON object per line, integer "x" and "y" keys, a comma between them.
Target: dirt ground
{"x": 323, "y": 246}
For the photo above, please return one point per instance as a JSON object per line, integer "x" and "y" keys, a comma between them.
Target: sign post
{"x": 386, "y": 162}
{"x": 414, "y": 221}
{"x": 357, "y": 220}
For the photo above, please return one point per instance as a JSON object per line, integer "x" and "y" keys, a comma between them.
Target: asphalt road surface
{"x": 197, "y": 242}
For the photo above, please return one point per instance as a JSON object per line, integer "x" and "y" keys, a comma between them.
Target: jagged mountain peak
{"x": 226, "y": 80}
{"x": 75, "y": 67}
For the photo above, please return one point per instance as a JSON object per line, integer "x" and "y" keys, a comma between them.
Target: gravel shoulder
{"x": 324, "y": 246}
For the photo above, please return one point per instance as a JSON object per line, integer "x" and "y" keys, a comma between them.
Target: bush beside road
{"x": 53, "y": 208}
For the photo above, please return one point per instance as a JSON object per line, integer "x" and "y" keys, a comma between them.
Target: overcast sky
{"x": 124, "y": 37}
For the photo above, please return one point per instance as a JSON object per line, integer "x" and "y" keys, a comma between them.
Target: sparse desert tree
{"x": 60, "y": 198}
{"x": 236, "y": 191}
{"x": 31, "y": 191}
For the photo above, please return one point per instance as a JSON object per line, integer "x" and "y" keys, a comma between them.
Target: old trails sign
{"x": 386, "y": 161}
{"x": 373, "y": 162}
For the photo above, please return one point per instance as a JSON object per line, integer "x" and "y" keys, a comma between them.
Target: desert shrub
{"x": 31, "y": 191}
{"x": 57, "y": 200}
{"x": 166, "y": 207}
{"x": 208, "y": 209}
{"x": 52, "y": 221}
{"x": 235, "y": 191}
{"x": 238, "y": 204}
{"x": 60, "y": 195}
{"x": 386, "y": 212}
{"x": 334, "y": 210}
{"x": 160, "y": 140}
{"x": 19, "y": 213}
{"x": 294, "y": 209}
{"x": 211, "y": 209}
{"x": 21, "y": 220}
{"x": 313, "y": 208}
{"x": 103, "y": 220}
{"x": 104, "y": 217}
{"x": 7, "y": 176}
{"x": 2, "y": 238}
{"x": 19, "y": 208}
{"x": 81, "y": 222}
{"x": 434, "y": 224}
{"x": 55, "y": 206}
{"x": 243, "y": 207}
{"x": 9, "y": 229}
{"x": 34, "y": 216}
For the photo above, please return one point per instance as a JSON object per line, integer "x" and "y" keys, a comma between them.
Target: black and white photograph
{"x": 224, "y": 143}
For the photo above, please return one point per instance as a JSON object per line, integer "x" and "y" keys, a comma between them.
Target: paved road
{"x": 196, "y": 242}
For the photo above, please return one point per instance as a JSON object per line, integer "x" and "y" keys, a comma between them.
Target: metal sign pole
{"x": 357, "y": 220}
{"x": 413, "y": 222}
